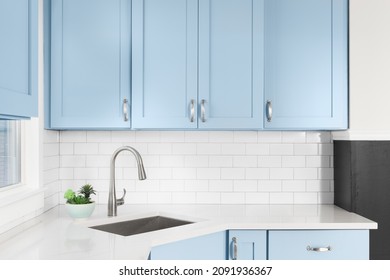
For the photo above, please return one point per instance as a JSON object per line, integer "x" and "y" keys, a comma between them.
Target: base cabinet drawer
{"x": 318, "y": 244}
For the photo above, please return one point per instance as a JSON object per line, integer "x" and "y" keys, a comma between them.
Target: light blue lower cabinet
{"x": 318, "y": 244}
{"x": 206, "y": 247}
{"x": 247, "y": 245}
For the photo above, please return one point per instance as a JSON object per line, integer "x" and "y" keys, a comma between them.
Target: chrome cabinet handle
{"x": 235, "y": 248}
{"x": 269, "y": 110}
{"x": 125, "y": 112}
{"x": 319, "y": 249}
{"x": 192, "y": 110}
{"x": 203, "y": 110}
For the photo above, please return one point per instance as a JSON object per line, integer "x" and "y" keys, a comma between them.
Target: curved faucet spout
{"x": 112, "y": 201}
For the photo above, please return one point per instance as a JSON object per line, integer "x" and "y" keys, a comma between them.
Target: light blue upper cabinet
{"x": 185, "y": 78}
{"x": 164, "y": 72}
{"x": 247, "y": 245}
{"x": 306, "y": 64}
{"x": 90, "y": 64}
{"x": 18, "y": 59}
{"x": 231, "y": 64}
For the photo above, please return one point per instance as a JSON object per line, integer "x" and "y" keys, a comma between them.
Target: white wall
{"x": 369, "y": 52}
{"x": 203, "y": 167}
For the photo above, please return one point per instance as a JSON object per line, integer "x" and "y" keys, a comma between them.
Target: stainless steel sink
{"x": 143, "y": 225}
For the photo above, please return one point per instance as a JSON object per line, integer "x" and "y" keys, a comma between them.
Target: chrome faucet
{"x": 113, "y": 203}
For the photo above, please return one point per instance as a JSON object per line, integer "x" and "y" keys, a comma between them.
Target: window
{"x": 10, "y": 155}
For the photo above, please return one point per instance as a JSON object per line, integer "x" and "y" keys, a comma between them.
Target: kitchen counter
{"x": 54, "y": 235}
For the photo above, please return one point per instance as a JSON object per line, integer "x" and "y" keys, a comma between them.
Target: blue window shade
{"x": 10, "y": 171}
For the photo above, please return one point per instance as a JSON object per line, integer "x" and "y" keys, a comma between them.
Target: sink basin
{"x": 143, "y": 225}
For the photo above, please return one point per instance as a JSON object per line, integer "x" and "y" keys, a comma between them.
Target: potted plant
{"x": 80, "y": 206}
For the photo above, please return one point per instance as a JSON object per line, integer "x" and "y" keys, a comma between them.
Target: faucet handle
{"x": 121, "y": 200}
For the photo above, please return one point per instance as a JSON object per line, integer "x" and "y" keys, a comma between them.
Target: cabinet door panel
{"x": 247, "y": 245}
{"x": 306, "y": 63}
{"x": 207, "y": 247}
{"x": 164, "y": 63}
{"x": 18, "y": 58}
{"x": 231, "y": 63}
{"x": 90, "y": 63}
{"x": 334, "y": 244}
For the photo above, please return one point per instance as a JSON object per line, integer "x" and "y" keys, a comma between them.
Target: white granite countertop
{"x": 54, "y": 235}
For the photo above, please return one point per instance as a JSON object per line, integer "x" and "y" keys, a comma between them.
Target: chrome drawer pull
{"x": 269, "y": 111}
{"x": 203, "y": 110}
{"x": 125, "y": 112}
{"x": 318, "y": 249}
{"x": 235, "y": 248}
{"x": 192, "y": 110}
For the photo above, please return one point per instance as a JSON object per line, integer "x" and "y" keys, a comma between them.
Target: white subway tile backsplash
{"x": 98, "y": 137}
{"x": 281, "y": 198}
{"x": 170, "y": 161}
{"x": 305, "y": 173}
{"x": 281, "y": 149}
{"x": 257, "y": 149}
{"x": 197, "y": 185}
{"x": 221, "y": 185}
{"x": 269, "y": 137}
{"x": 294, "y": 161}
{"x": 294, "y": 186}
{"x": 257, "y": 198}
{"x": 73, "y": 161}
{"x": 172, "y": 136}
{"x": 293, "y": 137}
{"x": 73, "y": 136}
{"x": 233, "y": 198}
{"x": 222, "y": 167}
{"x": 221, "y": 136}
{"x": 281, "y": 173}
{"x": 86, "y": 148}
{"x": 269, "y": 161}
{"x": 160, "y": 149}
{"x": 208, "y": 197}
{"x": 220, "y": 161}
{"x": 208, "y": 173}
{"x": 317, "y": 161}
{"x": 269, "y": 186}
{"x": 123, "y": 136}
{"x": 183, "y": 149}
{"x": 196, "y": 161}
{"x": 66, "y": 148}
{"x": 184, "y": 197}
{"x": 148, "y": 136}
{"x": 233, "y": 173}
{"x": 305, "y": 149}
{"x": 233, "y": 149}
{"x": 257, "y": 173}
{"x": 245, "y": 185}
{"x": 245, "y": 136}
{"x": 305, "y": 198}
{"x": 208, "y": 149}
{"x": 245, "y": 161}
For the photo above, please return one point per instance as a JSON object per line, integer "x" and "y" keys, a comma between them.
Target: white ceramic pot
{"x": 80, "y": 211}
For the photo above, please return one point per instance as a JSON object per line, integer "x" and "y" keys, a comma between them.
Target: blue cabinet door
{"x": 231, "y": 64}
{"x": 306, "y": 82}
{"x": 318, "y": 244}
{"x": 247, "y": 245}
{"x": 18, "y": 59}
{"x": 207, "y": 247}
{"x": 90, "y": 64}
{"x": 164, "y": 69}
